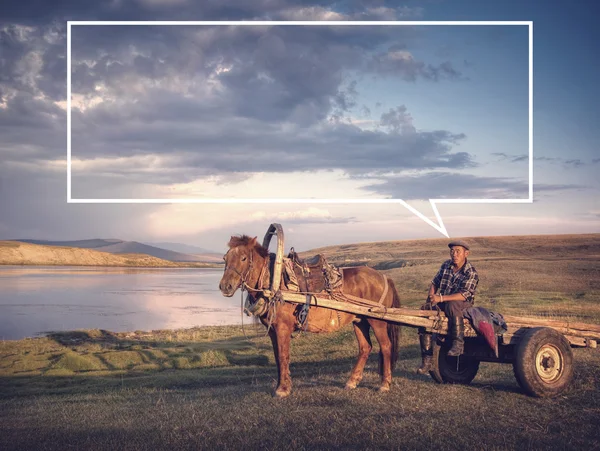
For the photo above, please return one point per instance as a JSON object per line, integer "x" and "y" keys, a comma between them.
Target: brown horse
{"x": 246, "y": 264}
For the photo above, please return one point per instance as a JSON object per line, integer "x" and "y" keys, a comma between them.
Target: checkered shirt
{"x": 464, "y": 281}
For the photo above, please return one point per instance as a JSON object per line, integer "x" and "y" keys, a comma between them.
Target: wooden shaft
{"x": 510, "y": 319}
{"x": 396, "y": 316}
{"x": 552, "y": 323}
{"x": 434, "y": 322}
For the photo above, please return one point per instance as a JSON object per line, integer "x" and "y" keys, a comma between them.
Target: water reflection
{"x": 34, "y": 300}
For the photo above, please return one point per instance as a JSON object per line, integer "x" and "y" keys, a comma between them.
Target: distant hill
{"x": 115, "y": 246}
{"x": 85, "y": 244}
{"x": 20, "y": 253}
{"x": 186, "y": 248}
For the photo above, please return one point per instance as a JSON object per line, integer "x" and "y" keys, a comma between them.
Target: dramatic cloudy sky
{"x": 192, "y": 112}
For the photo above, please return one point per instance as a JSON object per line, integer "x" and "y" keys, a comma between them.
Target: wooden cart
{"x": 538, "y": 349}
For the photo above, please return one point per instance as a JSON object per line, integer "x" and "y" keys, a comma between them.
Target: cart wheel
{"x": 444, "y": 368}
{"x": 543, "y": 363}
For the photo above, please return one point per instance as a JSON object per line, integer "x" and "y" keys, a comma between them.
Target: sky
{"x": 409, "y": 112}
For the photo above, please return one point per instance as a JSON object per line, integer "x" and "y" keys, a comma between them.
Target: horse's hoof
{"x": 384, "y": 389}
{"x": 279, "y": 393}
{"x": 351, "y": 385}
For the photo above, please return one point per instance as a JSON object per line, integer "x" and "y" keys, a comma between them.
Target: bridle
{"x": 243, "y": 277}
{"x": 243, "y": 283}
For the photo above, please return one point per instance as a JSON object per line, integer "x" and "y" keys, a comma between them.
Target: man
{"x": 455, "y": 285}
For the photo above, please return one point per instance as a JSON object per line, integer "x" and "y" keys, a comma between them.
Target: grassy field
{"x": 212, "y": 387}
{"x": 546, "y": 275}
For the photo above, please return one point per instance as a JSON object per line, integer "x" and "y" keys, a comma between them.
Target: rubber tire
{"x": 525, "y": 367}
{"x": 443, "y": 369}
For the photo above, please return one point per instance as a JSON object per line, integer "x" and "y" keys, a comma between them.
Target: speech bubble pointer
{"x": 439, "y": 226}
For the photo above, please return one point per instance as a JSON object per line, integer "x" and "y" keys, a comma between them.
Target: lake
{"x": 38, "y": 299}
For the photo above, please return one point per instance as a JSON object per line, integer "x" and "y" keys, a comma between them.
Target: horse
{"x": 247, "y": 263}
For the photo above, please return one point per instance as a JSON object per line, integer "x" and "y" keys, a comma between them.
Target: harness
{"x": 299, "y": 277}
{"x": 313, "y": 277}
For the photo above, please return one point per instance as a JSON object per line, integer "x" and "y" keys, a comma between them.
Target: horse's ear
{"x": 253, "y": 241}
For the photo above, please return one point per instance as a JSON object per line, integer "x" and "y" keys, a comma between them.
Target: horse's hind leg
{"x": 361, "y": 329}
{"x": 385, "y": 354}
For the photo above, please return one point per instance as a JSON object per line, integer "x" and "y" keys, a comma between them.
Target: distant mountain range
{"x": 175, "y": 252}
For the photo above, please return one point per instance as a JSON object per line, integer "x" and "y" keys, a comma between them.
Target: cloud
{"x": 574, "y": 163}
{"x": 440, "y": 185}
{"x": 230, "y": 101}
{"x": 311, "y": 215}
{"x": 34, "y": 206}
{"x": 312, "y": 13}
{"x": 400, "y": 62}
{"x": 571, "y": 163}
{"x": 44, "y": 12}
{"x": 251, "y": 146}
{"x": 271, "y": 73}
{"x": 32, "y": 60}
{"x": 398, "y": 120}
{"x": 511, "y": 158}
{"x": 568, "y": 164}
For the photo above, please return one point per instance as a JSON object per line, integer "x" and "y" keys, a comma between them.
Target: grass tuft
{"x": 212, "y": 358}
{"x": 74, "y": 362}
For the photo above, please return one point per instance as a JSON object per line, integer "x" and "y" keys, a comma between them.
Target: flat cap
{"x": 459, "y": 243}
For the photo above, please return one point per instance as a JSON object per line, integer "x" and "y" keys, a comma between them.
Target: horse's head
{"x": 243, "y": 264}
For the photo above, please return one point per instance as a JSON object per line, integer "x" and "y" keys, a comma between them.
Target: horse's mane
{"x": 245, "y": 240}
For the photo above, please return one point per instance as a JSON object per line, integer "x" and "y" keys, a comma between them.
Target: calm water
{"x": 35, "y": 300}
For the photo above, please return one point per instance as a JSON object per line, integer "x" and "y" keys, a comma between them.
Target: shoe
{"x": 458, "y": 336}
{"x": 426, "y": 353}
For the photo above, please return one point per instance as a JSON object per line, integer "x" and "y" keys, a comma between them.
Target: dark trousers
{"x": 452, "y": 309}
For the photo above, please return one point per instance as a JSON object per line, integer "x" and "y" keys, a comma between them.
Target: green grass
{"x": 211, "y": 388}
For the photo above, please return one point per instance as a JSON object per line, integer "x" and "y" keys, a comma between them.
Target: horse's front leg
{"x": 273, "y": 337}
{"x": 281, "y": 346}
{"x": 385, "y": 354}
{"x": 364, "y": 349}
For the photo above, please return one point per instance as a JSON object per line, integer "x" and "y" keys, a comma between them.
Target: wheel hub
{"x": 549, "y": 363}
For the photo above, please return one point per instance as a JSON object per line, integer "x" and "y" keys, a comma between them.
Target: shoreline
{"x": 80, "y": 335}
{"x": 175, "y": 265}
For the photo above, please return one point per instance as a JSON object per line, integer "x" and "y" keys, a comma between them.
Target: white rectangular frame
{"x": 433, "y": 202}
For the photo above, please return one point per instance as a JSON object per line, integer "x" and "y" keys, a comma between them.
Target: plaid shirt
{"x": 463, "y": 281}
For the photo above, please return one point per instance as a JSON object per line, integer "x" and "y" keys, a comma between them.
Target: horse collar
{"x": 264, "y": 271}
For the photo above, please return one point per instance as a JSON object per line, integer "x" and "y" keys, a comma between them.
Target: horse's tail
{"x": 393, "y": 329}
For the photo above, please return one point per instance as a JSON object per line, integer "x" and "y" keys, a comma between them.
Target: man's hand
{"x": 431, "y": 295}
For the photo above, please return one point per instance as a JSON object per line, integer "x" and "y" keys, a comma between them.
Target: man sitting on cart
{"x": 453, "y": 291}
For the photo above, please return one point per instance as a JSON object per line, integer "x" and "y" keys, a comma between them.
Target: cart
{"x": 539, "y": 350}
